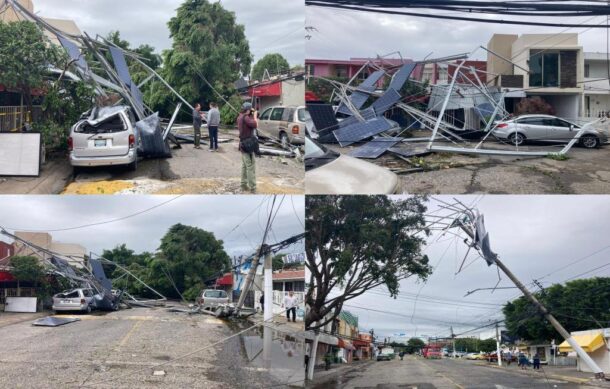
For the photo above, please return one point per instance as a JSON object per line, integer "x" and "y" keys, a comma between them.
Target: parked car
{"x": 547, "y": 128}
{"x": 476, "y": 356}
{"x": 211, "y": 298}
{"x": 286, "y": 124}
{"x": 106, "y": 137}
{"x": 328, "y": 172}
{"x": 386, "y": 354}
{"x": 81, "y": 299}
{"x": 493, "y": 357}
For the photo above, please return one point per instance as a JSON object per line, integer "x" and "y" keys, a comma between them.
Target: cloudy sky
{"x": 276, "y": 26}
{"x": 217, "y": 214}
{"x": 343, "y": 34}
{"x": 533, "y": 236}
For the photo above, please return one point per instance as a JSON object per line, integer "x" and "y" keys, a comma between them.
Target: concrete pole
{"x": 599, "y": 373}
{"x": 312, "y": 356}
{"x": 268, "y": 311}
{"x": 498, "y": 345}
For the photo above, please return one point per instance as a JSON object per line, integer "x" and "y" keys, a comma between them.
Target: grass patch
{"x": 558, "y": 157}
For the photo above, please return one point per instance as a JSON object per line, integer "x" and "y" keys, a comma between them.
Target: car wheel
{"x": 284, "y": 140}
{"x": 516, "y": 139}
{"x": 88, "y": 308}
{"x": 134, "y": 165}
{"x": 589, "y": 141}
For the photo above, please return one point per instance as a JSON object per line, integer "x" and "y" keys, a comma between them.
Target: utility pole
{"x": 498, "y": 353}
{"x": 481, "y": 239}
{"x": 268, "y": 309}
{"x": 248, "y": 281}
{"x": 453, "y": 342}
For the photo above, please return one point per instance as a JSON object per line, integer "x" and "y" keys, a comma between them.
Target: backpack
{"x": 249, "y": 145}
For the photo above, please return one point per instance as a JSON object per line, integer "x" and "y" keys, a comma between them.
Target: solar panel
{"x": 367, "y": 114}
{"x": 323, "y": 117}
{"x": 51, "y": 321}
{"x": 20, "y": 154}
{"x": 74, "y": 53}
{"x": 385, "y": 102}
{"x": 402, "y": 75}
{"x": 120, "y": 64}
{"x": 409, "y": 150}
{"x": 357, "y": 132}
{"x": 359, "y": 98}
{"x": 375, "y": 148}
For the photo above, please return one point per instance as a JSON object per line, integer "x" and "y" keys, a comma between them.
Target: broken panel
{"x": 323, "y": 118}
{"x": 401, "y": 76}
{"x": 357, "y": 132}
{"x": 367, "y": 114}
{"x": 52, "y": 321}
{"x": 74, "y": 53}
{"x": 359, "y": 98}
{"x": 375, "y": 148}
{"x": 385, "y": 102}
{"x": 151, "y": 139}
{"x": 120, "y": 64}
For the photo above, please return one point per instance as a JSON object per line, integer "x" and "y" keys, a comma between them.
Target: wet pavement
{"x": 418, "y": 373}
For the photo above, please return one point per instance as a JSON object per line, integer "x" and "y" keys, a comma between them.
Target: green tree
{"x": 229, "y": 112}
{"x": 414, "y": 345}
{"x": 578, "y": 305}
{"x": 27, "y": 269}
{"x": 475, "y": 345}
{"x": 274, "y": 63}
{"x": 357, "y": 243}
{"x": 208, "y": 42}
{"x": 278, "y": 261}
{"x": 25, "y": 56}
{"x": 190, "y": 256}
{"x": 322, "y": 88}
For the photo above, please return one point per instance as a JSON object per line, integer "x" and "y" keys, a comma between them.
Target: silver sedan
{"x": 547, "y": 128}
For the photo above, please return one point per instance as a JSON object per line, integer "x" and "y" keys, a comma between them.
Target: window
{"x": 310, "y": 70}
{"x": 556, "y": 123}
{"x": 532, "y": 121}
{"x": 288, "y": 114}
{"x": 587, "y": 70}
{"x": 265, "y": 115}
{"x": 71, "y": 295}
{"x": 363, "y": 75}
{"x": 544, "y": 68}
{"x": 277, "y": 114}
{"x": 215, "y": 294}
{"x": 87, "y": 292}
{"x": 341, "y": 71}
{"x": 303, "y": 115}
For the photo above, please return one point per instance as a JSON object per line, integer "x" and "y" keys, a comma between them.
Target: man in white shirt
{"x": 290, "y": 304}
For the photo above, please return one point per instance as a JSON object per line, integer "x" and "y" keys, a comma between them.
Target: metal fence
{"x": 13, "y": 118}
{"x": 16, "y": 292}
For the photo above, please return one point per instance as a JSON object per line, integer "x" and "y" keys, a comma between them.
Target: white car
{"x": 328, "y": 172}
{"x": 107, "y": 137}
{"x": 81, "y": 299}
{"x": 211, "y": 298}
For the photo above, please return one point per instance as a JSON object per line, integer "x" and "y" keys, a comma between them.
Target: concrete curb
{"x": 573, "y": 380}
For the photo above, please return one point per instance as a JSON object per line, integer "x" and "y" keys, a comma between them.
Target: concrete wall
{"x": 11, "y": 15}
{"x": 500, "y": 44}
{"x": 39, "y": 239}
{"x": 70, "y": 249}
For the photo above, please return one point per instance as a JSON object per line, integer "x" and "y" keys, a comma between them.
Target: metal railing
{"x": 13, "y": 118}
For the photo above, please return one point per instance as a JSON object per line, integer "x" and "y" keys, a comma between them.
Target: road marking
{"x": 128, "y": 335}
{"x": 441, "y": 374}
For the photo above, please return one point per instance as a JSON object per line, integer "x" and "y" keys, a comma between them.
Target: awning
{"x": 6, "y": 276}
{"x": 589, "y": 343}
{"x": 267, "y": 90}
{"x": 346, "y": 344}
{"x": 361, "y": 343}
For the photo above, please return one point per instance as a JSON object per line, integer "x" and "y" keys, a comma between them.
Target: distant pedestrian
{"x": 290, "y": 304}
{"x": 248, "y": 145}
{"x": 523, "y": 361}
{"x": 262, "y": 301}
{"x": 197, "y": 121}
{"x": 213, "y": 123}
{"x": 401, "y": 354}
{"x": 536, "y": 361}
{"x": 509, "y": 357}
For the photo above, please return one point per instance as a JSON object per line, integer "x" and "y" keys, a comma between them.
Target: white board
{"x": 20, "y": 304}
{"x": 19, "y": 154}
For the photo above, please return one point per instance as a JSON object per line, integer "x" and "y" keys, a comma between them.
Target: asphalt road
{"x": 418, "y": 373}
{"x": 122, "y": 350}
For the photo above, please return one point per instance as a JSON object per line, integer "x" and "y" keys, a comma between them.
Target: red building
{"x": 442, "y": 73}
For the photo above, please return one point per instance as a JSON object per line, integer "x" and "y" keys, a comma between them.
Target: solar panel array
{"x": 367, "y": 114}
{"x": 408, "y": 150}
{"x": 375, "y": 148}
{"x": 359, "y": 131}
{"x": 359, "y": 98}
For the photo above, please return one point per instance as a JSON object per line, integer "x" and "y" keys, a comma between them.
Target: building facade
{"x": 596, "y": 85}
{"x": 549, "y": 66}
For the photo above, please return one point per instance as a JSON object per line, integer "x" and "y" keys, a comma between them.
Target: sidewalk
{"x": 321, "y": 375}
{"x": 564, "y": 373}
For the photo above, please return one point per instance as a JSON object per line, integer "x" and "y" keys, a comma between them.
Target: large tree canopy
{"x": 208, "y": 42}
{"x": 578, "y": 305}
{"x": 25, "y": 56}
{"x": 187, "y": 258}
{"x": 274, "y": 64}
{"x": 355, "y": 243}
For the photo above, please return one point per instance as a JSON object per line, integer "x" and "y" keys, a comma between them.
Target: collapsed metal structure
{"x": 481, "y": 105}
{"x": 106, "y": 298}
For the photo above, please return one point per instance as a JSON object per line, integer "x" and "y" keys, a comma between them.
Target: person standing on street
{"x": 247, "y": 122}
{"x": 197, "y": 121}
{"x": 536, "y": 361}
{"x": 262, "y": 301}
{"x": 290, "y": 303}
{"x": 509, "y": 358}
{"x": 213, "y": 123}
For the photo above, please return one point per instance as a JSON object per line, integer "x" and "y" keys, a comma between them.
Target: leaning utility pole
{"x": 268, "y": 309}
{"x": 498, "y": 352}
{"x": 480, "y": 239}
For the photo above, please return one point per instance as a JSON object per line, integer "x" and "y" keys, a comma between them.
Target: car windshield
{"x": 317, "y": 155}
{"x": 218, "y": 294}
{"x": 111, "y": 124}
